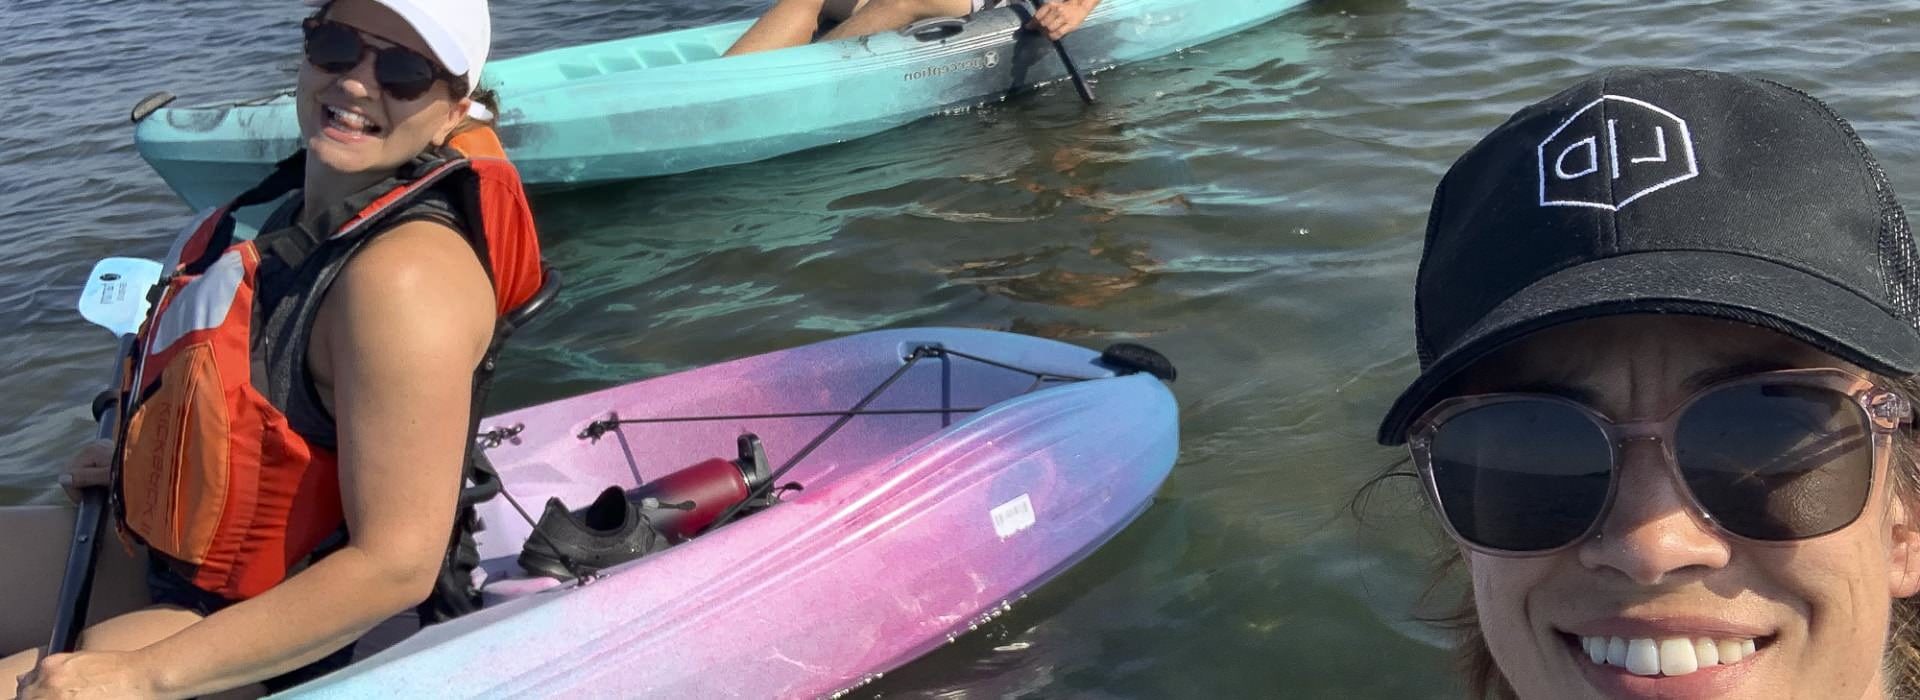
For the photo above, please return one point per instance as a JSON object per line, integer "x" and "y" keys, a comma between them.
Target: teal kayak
{"x": 668, "y": 103}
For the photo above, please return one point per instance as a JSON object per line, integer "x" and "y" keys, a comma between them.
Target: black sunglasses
{"x": 402, "y": 72}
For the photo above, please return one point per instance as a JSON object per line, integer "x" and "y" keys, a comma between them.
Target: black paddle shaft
{"x": 1073, "y": 71}
{"x": 76, "y": 586}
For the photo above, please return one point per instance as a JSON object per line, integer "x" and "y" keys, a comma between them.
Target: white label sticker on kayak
{"x": 1013, "y": 516}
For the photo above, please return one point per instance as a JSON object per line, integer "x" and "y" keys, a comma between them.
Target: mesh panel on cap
{"x": 1897, "y": 256}
{"x": 1898, "y": 259}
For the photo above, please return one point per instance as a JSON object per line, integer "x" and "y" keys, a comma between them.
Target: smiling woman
{"x": 1668, "y": 329}
{"x": 290, "y": 466}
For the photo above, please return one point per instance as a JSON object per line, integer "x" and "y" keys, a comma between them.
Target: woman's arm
{"x": 1061, "y": 17}
{"x": 405, "y": 326}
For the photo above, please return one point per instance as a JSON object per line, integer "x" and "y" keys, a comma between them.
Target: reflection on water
{"x": 1038, "y": 276}
{"x": 1252, "y": 208}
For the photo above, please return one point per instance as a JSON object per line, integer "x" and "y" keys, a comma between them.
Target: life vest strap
{"x": 453, "y": 591}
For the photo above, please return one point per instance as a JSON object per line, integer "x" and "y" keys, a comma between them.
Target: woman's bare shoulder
{"x": 421, "y": 284}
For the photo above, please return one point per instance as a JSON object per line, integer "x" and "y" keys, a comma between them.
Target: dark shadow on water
{"x": 1182, "y": 604}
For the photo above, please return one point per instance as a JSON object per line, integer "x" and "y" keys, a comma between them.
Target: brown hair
{"x": 486, "y": 97}
{"x": 1474, "y": 660}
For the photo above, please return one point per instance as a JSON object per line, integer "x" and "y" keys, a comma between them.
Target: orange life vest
{"x": 213, "y": 474}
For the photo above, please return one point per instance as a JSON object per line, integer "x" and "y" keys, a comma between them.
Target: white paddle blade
{"x": 116, "y": 293}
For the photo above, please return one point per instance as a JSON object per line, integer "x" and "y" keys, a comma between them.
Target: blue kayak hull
{"x": 665, "y": 103}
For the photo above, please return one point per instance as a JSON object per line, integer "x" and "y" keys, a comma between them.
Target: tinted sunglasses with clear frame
{"x": 1771, "y": 457}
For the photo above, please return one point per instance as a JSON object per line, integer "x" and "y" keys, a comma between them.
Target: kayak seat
{"x": 534, "y": 305}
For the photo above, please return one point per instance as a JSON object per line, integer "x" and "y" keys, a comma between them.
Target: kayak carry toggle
{"x": 147, "y": 105}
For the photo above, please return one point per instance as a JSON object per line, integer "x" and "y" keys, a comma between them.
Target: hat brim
{"x": 1699, "y": 283}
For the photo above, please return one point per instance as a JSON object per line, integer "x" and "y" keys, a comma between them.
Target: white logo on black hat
{"x": 1607, "y": 158}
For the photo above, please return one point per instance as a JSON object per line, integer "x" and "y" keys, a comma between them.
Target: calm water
{"x": 1252, "y": 208}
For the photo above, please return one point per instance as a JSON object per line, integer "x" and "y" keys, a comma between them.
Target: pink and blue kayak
{"x": 942, "y": 475}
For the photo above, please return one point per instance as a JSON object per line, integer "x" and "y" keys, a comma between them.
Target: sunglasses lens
{"x": 1522, "y": 475}
{"x": 332, "y": 48}
{"x": 1777, "y": 461}
{"x": 404, "y": 73}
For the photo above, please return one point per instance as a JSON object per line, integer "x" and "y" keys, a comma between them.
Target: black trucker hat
{"x": 1665, "y": 191}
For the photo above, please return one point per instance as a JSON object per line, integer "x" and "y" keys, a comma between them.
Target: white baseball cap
{"x": 458, "y": 32}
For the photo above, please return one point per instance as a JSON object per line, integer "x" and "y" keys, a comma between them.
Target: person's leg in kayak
{"x": 794, "y": 22}
{"x": 789, "y": 23}
{"x": 875, "y": 16}
{"x": 128, "y": 632}
{"x": 34, "y": 541}
{"x": 1056, "y": 19}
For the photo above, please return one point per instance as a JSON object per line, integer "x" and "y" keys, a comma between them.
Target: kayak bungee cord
{"x": 600, "y": 428}
{"x": 760, "y": 490}
{"x": 763, "y": 488}
{"x": 493, "y": 438}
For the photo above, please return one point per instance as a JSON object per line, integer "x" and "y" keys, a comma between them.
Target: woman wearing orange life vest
{"x": 303, "y": 402}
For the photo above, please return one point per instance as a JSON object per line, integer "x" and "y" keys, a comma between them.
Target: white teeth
{"x": 1705, "y": 652}
{"x": 1731, "y": 650}
{"x": 1676, "y": 657}
{"x": 1673, "y": 656}
{"x": 1642, "y": 658}
{"x": 347, "y": 119}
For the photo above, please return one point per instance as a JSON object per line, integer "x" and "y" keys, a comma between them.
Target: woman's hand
{"x": 88, "y": 674}
{"x": 90, "y": 467}
{"x": 1061, "y": 17}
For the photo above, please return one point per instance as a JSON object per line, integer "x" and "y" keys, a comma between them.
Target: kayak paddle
{"x": 1079, "y": 83}
{"x": 115, "y": 298}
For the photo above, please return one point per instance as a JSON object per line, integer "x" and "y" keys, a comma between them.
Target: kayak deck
{"x": 790, "y": 400}
{"x": 910, "y": 528}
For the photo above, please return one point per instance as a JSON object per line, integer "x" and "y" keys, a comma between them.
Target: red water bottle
{"x": 686, "y": 502}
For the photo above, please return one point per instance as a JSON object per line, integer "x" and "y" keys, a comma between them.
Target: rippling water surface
{"x": 1252, "y": 208}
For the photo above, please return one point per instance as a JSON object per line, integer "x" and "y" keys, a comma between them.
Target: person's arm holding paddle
{"x": 1061, "y": 17}
{"x": 398, "y": 337}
